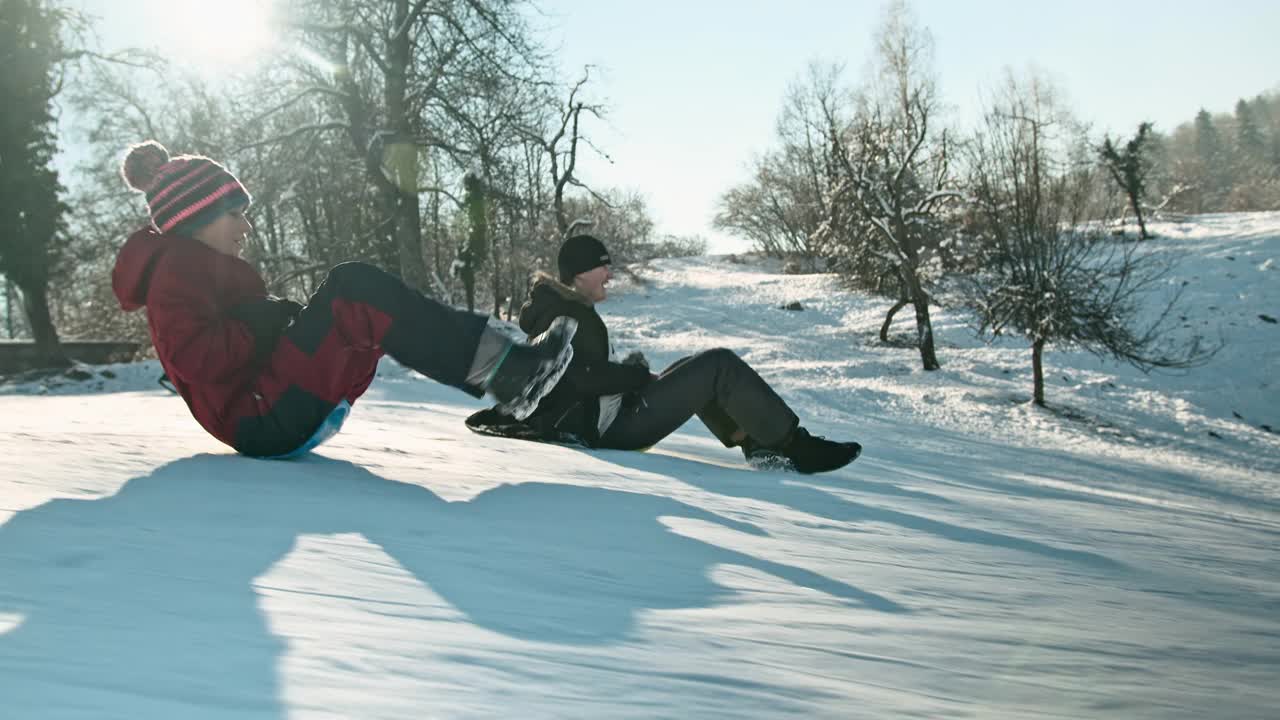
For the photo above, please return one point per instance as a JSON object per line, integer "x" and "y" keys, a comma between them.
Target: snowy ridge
{"x": 1116, "y": 557}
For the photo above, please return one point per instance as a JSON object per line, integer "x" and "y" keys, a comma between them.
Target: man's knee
{"x": 722, "y": 356}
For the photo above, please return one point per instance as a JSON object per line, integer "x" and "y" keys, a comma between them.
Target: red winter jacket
{"x": 187, "y": 289}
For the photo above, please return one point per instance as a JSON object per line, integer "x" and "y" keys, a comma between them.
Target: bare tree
{"x": 390, "y": 75}
{"x": 1129, "y": 168}
{"x": 346, "y": 161}
{"x": 785, "y": 203}
{"x": 896, "y": 168}
{"x": 1046, "y": 273}
{"x": 561, "y": 148}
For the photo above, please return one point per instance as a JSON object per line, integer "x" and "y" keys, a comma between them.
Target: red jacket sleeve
{"x": 196, "y": 340}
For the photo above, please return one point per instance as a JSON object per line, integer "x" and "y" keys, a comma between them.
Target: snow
{"x": 1114, "y": 557}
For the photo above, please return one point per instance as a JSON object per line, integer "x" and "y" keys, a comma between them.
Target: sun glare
{"x": 212, "y": 34}
{"x": 9, "y": 622}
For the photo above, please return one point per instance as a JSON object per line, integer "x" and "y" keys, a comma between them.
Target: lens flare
{"x": 228, "y": 32}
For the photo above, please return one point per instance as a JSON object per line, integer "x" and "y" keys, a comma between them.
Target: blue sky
{"x": 693, "y": 87}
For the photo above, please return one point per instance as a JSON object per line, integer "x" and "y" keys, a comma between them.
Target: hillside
{"x": 1114, "y": 556}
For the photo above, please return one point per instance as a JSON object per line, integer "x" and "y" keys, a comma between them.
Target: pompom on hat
{"x": 183, "y": 193}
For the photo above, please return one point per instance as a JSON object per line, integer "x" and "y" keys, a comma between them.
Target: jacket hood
{"x": 131, "y": 276}
{"x": 546, "y": 297}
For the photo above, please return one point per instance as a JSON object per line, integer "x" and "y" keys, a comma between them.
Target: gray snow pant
{"x": 716, "y": 385}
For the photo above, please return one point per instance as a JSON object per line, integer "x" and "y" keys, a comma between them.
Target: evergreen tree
{"x": 1250, "y": 142}
{"x": 1213, "y": 178}
{"x": 1208, "y": 144}
{"x": 32, "y": 238}
{"x": 1255, "y": 182}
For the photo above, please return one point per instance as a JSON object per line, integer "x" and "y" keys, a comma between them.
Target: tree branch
{"x": 315, "y": 90}
{"x": 316, "y": 127}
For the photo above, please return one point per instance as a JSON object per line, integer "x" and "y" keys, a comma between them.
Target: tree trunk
{"x": 1142, "y": 224}
{"x": 36, "y": 303}
{"x": 9, "y": 301}
{"x": 436, "y": 234}
{"x": 497, "y": 281}
{"x": 888, "y": 319}
{"x": 924, "y": 326}
{"x": 1037, "y": 371}
{"x": 469, "y": 285}
{"x": 511, "y": 298}
{"x": 924, "y": 335}
{"x": 413, "y": 268}
{"x": 400, "y": 159}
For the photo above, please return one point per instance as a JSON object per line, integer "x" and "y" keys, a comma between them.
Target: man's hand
{"x": 635, "y": 357}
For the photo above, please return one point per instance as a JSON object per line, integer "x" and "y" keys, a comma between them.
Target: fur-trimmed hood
{"x": 568, "y": 293}
{"x": 546, "y": 299}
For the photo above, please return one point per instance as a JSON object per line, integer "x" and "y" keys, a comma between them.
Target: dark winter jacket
{"x": 573, "y": 407}
{"x": 193, "y": 295}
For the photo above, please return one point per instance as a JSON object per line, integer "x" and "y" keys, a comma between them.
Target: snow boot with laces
{"x": 763, "y": 458}
{"x": 802, "y": 453}
{"x": 815, "y": 454}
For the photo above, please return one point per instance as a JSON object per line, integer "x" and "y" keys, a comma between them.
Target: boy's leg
{"x": 331, "y": 351}
{"x": 294, "y": 406}
{"x": 361, "y": 308}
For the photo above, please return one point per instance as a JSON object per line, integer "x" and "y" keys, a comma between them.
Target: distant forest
{"x": 1220, "y": 162}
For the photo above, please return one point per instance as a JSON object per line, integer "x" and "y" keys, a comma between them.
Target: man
{"x": 622, "y": 406}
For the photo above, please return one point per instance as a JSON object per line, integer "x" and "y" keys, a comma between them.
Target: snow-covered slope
{"x": 1116, "y": 557}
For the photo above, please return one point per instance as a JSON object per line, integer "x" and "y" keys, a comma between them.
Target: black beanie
{"x": 580, "y": 254}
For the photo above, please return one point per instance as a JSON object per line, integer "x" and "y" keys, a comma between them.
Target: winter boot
{"x": 763, "y": 458}
{"x": 815, "y": 454}
{"x": 529, "y": 372}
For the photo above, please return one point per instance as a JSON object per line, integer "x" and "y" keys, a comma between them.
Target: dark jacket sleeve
{"x": 606, "y": 378}
{"x": 592, "y": 373}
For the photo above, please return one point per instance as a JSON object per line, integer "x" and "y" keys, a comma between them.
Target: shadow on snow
{"x": 153, "y": 587}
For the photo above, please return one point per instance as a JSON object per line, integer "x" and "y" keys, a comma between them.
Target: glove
{"x": 267, "y": 320}
{"x": 266, "y": 317}
{"x": 635, "y": 357}
{"x": 631, "y": 402}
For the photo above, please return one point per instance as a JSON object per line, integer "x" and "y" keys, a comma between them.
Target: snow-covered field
{"x": 1116, "y": 557}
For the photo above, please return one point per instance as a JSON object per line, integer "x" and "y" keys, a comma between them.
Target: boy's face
{"x": 226, "y": 234}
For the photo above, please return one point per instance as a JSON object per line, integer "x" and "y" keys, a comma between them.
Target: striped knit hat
{"x": 184, "y": 193}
